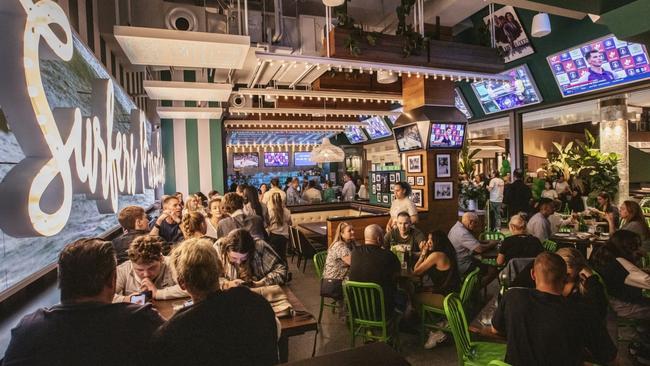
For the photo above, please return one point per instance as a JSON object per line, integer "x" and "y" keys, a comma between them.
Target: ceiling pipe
{"x": 279, "y": 25}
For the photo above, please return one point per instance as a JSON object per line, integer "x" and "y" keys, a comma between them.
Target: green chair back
{"x": 470, "y": 287}
{"x": 647, "y": 220}
{"x": 645, "y": 209}
{"x": 550, "y": 246}
{"x": 491, "y": 235}
{"x": 319, "y": 263}
{"x": 458, "y": 324}
{"x": 366, "y": 310}
{"x": 565, "y": 229}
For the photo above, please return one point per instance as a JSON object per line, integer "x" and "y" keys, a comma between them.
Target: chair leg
{"x": 313, "y": 350}
{"x": 320, "y": 312}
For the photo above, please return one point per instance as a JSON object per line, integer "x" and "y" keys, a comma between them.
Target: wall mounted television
{"x": 498, "y": 96}
{"x": 446, "y": 135}
{"x": 408, "y": 138}
{"x": 461, "y": 103}
{"x": 276, "y": 159}
{"x": 377, "y": 128}
{"x": 245, "y": 160}
{"x": 355, "y": 134}
{"x": 302, "y": 158}
{"x": 599, "y": 64}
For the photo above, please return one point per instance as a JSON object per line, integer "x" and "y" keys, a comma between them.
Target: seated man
{"x": 405, "y": 233}
{"x": 249, "y": 262}
{"x": 466, "y": 244}
{"x": 166, "y": 226}
{"x": 543, "y": 328}
{"x": 538, "y": 225}
{"x": 146, "y": 270}
{"x": 233, "y": 205}
{"x": 371, "y": 263}
{"x": 134, "y": 222}
{"x": 233, "y": 327}
{"x": 85, "y": 329}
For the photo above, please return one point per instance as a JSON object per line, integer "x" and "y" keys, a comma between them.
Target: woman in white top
{"x": 401, "y": 203}
{"x": 549, "y": 192}
{"x": 279, "y": 223}
{"x": 363, "y": 190}
{"x": 212, "y": 217}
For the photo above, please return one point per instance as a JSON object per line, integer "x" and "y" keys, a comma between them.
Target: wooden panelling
{"x": 358, "y": 224}
{"x": 417, "y": 91}
{"x": 412, "y": 92}
{"x": 355, "y": 82}
{"x": 339, "y": 104}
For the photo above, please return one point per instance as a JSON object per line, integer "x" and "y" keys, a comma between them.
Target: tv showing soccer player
{"x": 377, "y": 128}
{"x": 518, "y": 91}
{"x": 276, "y": 159}
{"x": 603, "y": 63}
{"x": 302, "y": 158}
{"x": 245, "y": 160}
{"x": 446, "y": 135}
{"x": 408, "y": 138}
{"x": 355, "y": 134}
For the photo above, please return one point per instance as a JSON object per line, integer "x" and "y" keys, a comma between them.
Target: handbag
{"x": 277, "y": 299}
{"x": 332, "y": 288}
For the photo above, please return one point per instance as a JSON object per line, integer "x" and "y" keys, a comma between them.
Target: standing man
{"x": 349, "y": 189}
{"x": 517, "y": 195}
{"x": 275, "y": 188}
{"x": 293, "y": 196}
{"x": 134, "y": 222}
{"x": 167, "y": 224}
{"x": 496, "y": 198}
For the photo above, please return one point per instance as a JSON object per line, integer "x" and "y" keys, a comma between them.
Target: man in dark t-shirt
{"x": 86, "y": 328}
{"x": 544, "y": 328}
{"x": 371, "y": 263}
{"x": 519, "y": 244}
{"x": 134, "y": 222}
{"x": 167, "y": 225}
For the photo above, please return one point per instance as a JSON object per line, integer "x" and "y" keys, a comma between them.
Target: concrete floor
{"x": 334, "y": 335}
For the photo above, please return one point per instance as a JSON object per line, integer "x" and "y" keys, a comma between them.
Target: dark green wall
{"x": 566, "y": 33}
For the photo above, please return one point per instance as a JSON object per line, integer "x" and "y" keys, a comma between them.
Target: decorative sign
{"x": 64, "y": 153}
{"x": 510, "y": 36}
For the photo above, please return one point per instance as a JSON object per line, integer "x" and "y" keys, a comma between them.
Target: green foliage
{"x": 505, "y": 168}
{"x": 356, "y": 34}
{"x": 466, "y": 162}
{"x": 466, "y": 166}
{"x": 412, "y": 41}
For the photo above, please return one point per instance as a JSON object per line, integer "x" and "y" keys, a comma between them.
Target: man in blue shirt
{"x": 596, "y": 71}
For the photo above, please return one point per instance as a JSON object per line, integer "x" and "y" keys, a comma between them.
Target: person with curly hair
{"x": 146, "y": 270}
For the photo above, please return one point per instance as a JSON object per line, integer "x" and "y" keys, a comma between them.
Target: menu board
{"x": 603, "y": 63}
{"x": 497, "y": 96}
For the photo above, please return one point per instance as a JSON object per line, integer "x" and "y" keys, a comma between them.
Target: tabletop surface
{"x": 482, "y": 323}
{"x": 376, "y": 354}
{"x": 319, "y": 228}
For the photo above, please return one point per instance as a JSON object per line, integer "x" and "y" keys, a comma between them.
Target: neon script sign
{"x": 64, "y": 153}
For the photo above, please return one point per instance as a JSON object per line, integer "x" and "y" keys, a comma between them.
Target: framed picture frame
{"x": 378, "y": 186}
{"x": 392, "y": 197}
{"x": 416, "y": 197}
{"x": 414, "y": 164}
{"x": 410, "y": 180}
{"x": 378, "y": 197}
{"x": 373, "y": 178}
{"x": 392, "y": 187}
{"x": 443, "y": 190}
{"x": 443, "y": 165}
{"x": 384, "y": 199}
{"x": 391, "y": 177}
{"x": 419, "y": 181}
{"x": 398, "y": 177}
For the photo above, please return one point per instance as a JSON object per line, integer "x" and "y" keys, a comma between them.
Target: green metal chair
{"x": 319, "y": 265}
{"x": 565, "y": 229}
{"x": 645, "y": 209}
{"x": 469, "y": 353}
{"x": 366, "y": 313}
{"x": 491, "y": 235}
{"x": 498, "y": 363}
{"x": 550, "y": 246}
{"x": 430, "y": 315}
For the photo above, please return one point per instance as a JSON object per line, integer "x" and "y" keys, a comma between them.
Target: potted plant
{"x": 471, "y": 196}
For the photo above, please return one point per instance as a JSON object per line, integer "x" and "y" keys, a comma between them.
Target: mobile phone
{"x": 139, "y": 299}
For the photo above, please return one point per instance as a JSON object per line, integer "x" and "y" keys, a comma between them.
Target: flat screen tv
{"x": 600, "y": 64}
{"x": 355, "y": 134}
{"x": 276, "y": 159}
{"x": 302, "y": 158}
{"x": 245, "y": 160}
{"x": 461, "y": 103}
{"x": 446, "y": 135}
{"x": 377, "y": 128}
{"x": 408, "y": 138}
{"x": 497, "y": 96}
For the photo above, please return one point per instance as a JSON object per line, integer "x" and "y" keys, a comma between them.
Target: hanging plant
{"x": 356, "y": 33}
{"x": 412, "y": 41}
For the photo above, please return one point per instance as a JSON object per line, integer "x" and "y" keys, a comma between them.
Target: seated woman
{"x": 249, "y": 262}
{"x": 520, "y": 244}
{"x": 616, "y": 263}
{"x": 606, "y": 210}
{"x": 337, "y": 263}
{"x": 193, "y": 225}
{"x": 438, "y": 261}
{"x": 581, "y": 284}
{"x": 213, "y": 216}
{"x": 146, "y": 270}
{"x": 633, "y": 220}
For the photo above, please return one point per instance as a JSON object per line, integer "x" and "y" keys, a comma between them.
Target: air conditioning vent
{"x": 183, "y": 19}
{"x": 240, "y": 101}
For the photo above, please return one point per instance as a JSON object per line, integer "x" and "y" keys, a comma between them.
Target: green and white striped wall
{"x": 194, "y": 150}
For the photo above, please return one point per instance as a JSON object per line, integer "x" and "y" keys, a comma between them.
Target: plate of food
{"x": 562, "y": 235}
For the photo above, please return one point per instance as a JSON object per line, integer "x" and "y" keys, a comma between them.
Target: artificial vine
{"x": 412, "y": 41}
{"x": 356, "y": 34}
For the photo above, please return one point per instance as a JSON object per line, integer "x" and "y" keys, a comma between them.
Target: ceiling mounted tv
{"x": 276, "y": 159}
{"x": 446, "y": 135}
{"x": 498, "y": 96}
{"x": 302, "y": 158}
{"x": 461, "y": 103}
{"x": 245, "y": 160}
{"x": 377, "y": 128}
{"x": 355, "y": 134}
{"x": 408, "y": 138}
{"x": 600, "y": 64}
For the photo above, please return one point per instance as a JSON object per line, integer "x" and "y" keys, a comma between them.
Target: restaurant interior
{"x": 350, "y": 113}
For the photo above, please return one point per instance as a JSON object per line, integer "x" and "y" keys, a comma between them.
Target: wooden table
{"x": 301, "y": 322}
{"x": 376, "y": 354}
{"x": 318, "y": 228}
{"x": 579, "y": 242}
{"x": 483, "y": 329}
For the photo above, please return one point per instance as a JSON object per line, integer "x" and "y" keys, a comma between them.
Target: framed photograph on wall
{"x": 416, "y": 197}
{"x": 443, "y": 165}
{"x": 443, "y": 190}
{"x": 414, "y": 164}
{"x": 384, "y": 199}
{"x": 378, "y": 197}
{"x": 419, "y": 181}
{"x": 398, "y": 177}
{"x": 410, "y": 180}
{"x": 373, "y": 178}
{"x": 392, "y": 177}
{"x": 392, "y": 187}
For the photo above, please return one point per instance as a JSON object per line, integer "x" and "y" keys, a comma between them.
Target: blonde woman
{"x": 212, "y": 217}
{"x": 193, "y": 204}
{"x": 337, "y": 263}
{"x": 279, "y": 223}
{"x": 193, "y": 225}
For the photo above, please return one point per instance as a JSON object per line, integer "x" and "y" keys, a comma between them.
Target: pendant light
{"x": 332, "y": 3}
{"x": 541, "y": 25}
{"x": 327, "y": 153}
